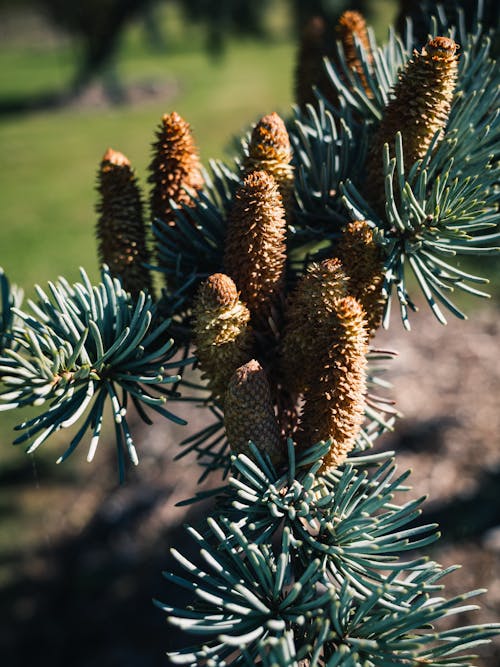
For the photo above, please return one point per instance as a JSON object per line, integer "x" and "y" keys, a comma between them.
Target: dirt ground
{"x": 80, "y": 595}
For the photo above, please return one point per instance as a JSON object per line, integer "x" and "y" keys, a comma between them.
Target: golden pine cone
{"x": 334, "y": 403}
{"x": 269, "y": 150}
{"x": 362, "y": 261}
{"x": 419, "y": 108}
{"x": 307, "y": 321}
{"x": 175, "y": 167}
{"x": 309, "y": 69}
{"x": 255, "y": 250}
{"x": 222, "y": 336}
{"x": 350, "y": 25}
{"x": 249, "y": 413}
{"x": 120, "y": 229}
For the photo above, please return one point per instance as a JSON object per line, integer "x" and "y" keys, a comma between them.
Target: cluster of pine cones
{"x": 286, "y": 364}
{"x": 282, "y": 360}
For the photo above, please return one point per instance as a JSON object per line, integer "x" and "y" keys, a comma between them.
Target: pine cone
{"x": 221, "y": 331}
{"x": 310, "y": 68}
{"x": 334, "y": 403}
{"x": 419, "y": 108}
{"x": 255, "y": 251}
{"x": 269, "y": 150}
{"x": 120, "y": 230}
{"x": 362, "y": 261}
{"x": 249, "y": 413}
{"x": 350, "y": 25}
{"x": 175, "y": 167}
{"x": 307, "y": 321}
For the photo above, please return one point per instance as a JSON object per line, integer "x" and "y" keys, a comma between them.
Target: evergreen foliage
{"x": 307, "y": 556}
{"x": 80, "y": 347}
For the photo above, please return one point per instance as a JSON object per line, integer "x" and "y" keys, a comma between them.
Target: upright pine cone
{"x": 419, "y": 108}
{"x": 362, "y": 261}
{"x": 310, "y": 68}
{"x": 255, "y": 250}
{"x": 307, "y": 322}
{"x": 350, "y": 25}
{"x": 269, "y": 150}
{"x": 249, "y": 413}
{"x": 334, "y": 403}
{"x": 221, "y": 331}
{"x": 175, "y": 167}
{"x": 120, "y": 230}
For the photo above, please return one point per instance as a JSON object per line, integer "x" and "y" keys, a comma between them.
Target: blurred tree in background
{"x": 97, "y": 26}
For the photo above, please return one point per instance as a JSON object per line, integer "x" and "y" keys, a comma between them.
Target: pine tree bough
{"x": 120, "y": 229}
{"x": 304, "y": 558}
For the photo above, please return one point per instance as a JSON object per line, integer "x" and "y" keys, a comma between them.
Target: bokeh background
{"x": 80, "y": 557}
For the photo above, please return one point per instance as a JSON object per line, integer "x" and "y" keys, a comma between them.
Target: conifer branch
{"x": 310, "y": 556}
{"x": 427, "y": 224}
{"x": 252, "y": 601}
{"x": 78, "y": 348}
{"x": 327, "y": 152}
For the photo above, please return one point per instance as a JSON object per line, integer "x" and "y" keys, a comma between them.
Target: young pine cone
{"x": 350, "y": 25}
{"x": 307, "y": 321}
{"x": 269, "y": 150}
{"x": 175, "y": 167}
{"x": 249, "y": 413}
{"x": 334, "y": 402}
{"x": 310, "y": 68}
{"x": 419, "y": 108}
{"x": 221, "y": 331}
{"x": 120, "y": 230}
{"x": 255, "y": 250}
{"x": 362, "y": 262}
